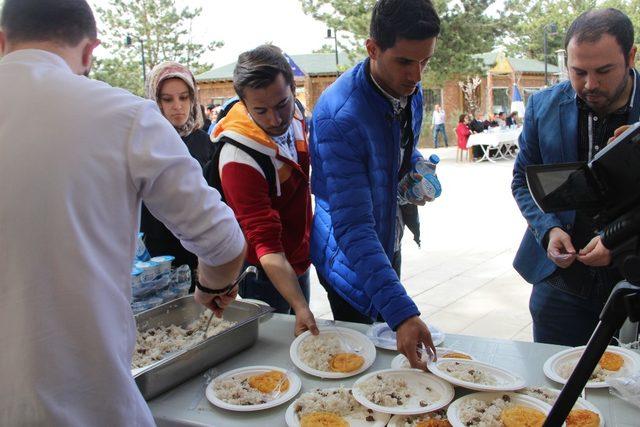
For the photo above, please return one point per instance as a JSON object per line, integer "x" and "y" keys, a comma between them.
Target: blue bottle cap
{"x": 434, "y": 159}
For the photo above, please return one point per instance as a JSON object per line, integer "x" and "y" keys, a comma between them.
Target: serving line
{"x": 186, "y": 404}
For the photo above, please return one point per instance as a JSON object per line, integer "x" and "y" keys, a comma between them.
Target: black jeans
{"x": 342, "y": 310}
{"x": 260, "y": 287}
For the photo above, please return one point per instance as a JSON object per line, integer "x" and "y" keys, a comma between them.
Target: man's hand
{"x": 595, "y": 254}
{"x": 432, "y": 183}
{"x": 560, "y": 249}
{"x": 305, "y": 322}
{"x": 411, "y": 335}
{"x": 215, "y": 303}
{"x": 618, "y": 132}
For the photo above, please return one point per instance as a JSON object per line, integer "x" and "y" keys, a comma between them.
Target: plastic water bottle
{"x": 420, "y": 183}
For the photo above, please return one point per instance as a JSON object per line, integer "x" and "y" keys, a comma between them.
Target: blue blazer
{"x": 355, "y": 161}
{"x": 550, "y": 135}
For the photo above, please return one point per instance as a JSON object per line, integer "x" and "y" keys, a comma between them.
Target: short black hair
{"x": 62, "y": 21}
{"x": 258, "y": 68}
{"x": 593, "y": 24}
{"x": 403, "y": 19}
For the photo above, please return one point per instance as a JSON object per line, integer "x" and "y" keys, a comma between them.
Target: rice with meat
{"x": 384, "y": 390}
{"x": 541, "y": 393}
{"x": 339, "y": 401}
{"x": 478, "y": 413}
{"x": 237, "y": 391}
{"x": 465, "y": 372}
{"x": 598, "y": 375}
{"x": 436, "y": 419}
{"x": 317, "y": 351}
{"x": 155, "y": 344}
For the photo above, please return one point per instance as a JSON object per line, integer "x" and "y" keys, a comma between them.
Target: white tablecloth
{"x": 186, "y": 405}
{"x": 495, "y": 138}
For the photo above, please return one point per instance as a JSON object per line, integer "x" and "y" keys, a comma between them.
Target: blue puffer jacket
{"x": 355, "y": 157}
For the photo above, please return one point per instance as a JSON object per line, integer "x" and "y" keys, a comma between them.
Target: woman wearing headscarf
{"x": 173, "y": 87}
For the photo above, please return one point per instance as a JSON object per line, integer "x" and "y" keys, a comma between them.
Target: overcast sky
{"x": 244, "y": 24}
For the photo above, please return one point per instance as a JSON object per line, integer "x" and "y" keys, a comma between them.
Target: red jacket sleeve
{"x": 246, "y": 191}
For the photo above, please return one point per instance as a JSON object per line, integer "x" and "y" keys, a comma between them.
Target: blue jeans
{"x": 260, "y": 287}
{"x": 560, "y": 317}
{"x": 439, "y": 129}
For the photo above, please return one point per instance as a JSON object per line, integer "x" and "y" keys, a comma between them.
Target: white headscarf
{"x": 173, "y": 70}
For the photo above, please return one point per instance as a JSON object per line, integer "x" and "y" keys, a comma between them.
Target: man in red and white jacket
{"x": 264, "y": 173}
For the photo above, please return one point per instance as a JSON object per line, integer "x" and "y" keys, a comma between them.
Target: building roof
{"x": 522, "y": 65}
{"x": 312, "y": 64}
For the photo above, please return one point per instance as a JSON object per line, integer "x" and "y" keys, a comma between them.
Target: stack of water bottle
{"x": 153, "y": 282}
{"x": 420, "y": 184}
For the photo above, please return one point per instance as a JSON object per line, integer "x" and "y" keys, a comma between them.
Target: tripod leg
{"x": 611, "y": 319}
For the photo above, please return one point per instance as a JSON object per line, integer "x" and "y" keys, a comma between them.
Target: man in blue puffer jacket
{"x": 366, "y": 128}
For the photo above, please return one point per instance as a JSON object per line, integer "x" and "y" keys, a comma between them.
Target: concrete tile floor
{"x": 461, "y": 278}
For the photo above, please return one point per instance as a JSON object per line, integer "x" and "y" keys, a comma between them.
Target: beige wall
{"x": 453, "y": 99}
{"x": 207, "y": 91}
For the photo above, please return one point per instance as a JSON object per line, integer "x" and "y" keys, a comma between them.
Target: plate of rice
{"x": 402, "y": 392}
{"x": 401, "y": 361}
{"x": 384, "y": 337}
{"x": 431, "y": 419}
{"x": 332, "y": 407}
{"x": 497, "y": 410}
{"x": 583, "y": 414}
{"x": 253, "y": 388}
{"x": 615, "y": 362}
{"x": 476, "y": 375}
{"x": 334, "y": 353}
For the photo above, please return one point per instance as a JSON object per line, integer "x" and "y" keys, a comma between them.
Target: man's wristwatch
{"x": 224, "y": 291}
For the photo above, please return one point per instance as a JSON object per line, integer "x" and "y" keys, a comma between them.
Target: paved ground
{"x": 462, "y": 278}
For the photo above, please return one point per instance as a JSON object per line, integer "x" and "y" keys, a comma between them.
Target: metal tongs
{"x": 249, "y": 270}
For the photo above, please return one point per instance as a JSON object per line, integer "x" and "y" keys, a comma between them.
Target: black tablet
{"x": 563, "y": 187}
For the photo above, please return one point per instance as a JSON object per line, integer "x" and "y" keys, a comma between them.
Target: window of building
{"x": 528, "y": 91}
{"x": 217, "y": 100}
{"x": 501, "y": 100}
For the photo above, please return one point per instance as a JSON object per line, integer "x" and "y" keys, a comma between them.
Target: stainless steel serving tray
{"x": 180, "y": 366}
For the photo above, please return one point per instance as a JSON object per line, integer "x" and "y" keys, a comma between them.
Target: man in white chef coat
{"x": 71, "y": 184}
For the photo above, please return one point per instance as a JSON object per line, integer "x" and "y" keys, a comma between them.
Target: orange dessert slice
{"x": 454, "y": 355}
{"x": 322, "y": 419}
{"x": 267, "y": 382}
{"x": 346, "y": 362}
{"x": 611, "y": 361}
{"x": 522, "y": 416}
{"x": 583, "y": 418}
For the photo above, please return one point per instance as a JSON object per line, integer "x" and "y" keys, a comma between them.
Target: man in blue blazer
{"x": 561, "y": 254}
{"x": 366, "y": 128}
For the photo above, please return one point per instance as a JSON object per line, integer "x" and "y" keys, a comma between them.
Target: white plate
{"x": 580, "y": 403}
{"x": 294, "y": 388}
{"x": 416, "y": 379}
{"x": 399, "y": 420}
{"x": 506, "y": 380}
{"x": 453, "y": 413}
{"x": 354, "y": 338}
{"x": 572, "y": 355}
{"x": 380, "y": 418}
{"x": 384, "y": 337}
{"x": 401, "y": 361}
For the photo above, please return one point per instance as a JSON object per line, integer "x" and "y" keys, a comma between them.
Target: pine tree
{"x": 466, "y": 29}
{"x": 166, "y": 33}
